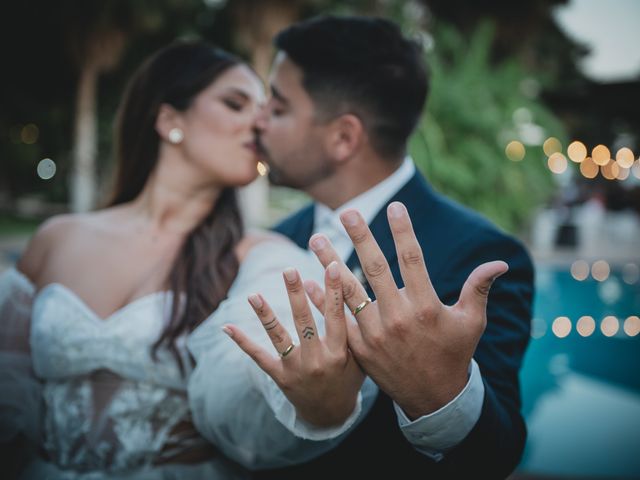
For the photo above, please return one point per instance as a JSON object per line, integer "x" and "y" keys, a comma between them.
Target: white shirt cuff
{"x": 443, "y": 429}
{"x": 287, "y": 415}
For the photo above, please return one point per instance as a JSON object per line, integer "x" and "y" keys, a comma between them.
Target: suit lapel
{"x": 303, "y": 228}
{"x": 414, "y": 195}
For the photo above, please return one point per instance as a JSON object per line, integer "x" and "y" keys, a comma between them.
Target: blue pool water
{"x": 581, "y": 395}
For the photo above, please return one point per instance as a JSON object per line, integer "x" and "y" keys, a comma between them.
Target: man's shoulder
{"x": 292, "y": 222}
{"x": 461, "y": 228}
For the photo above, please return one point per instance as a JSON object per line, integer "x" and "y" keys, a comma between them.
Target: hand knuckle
{"x": 349, "y": 290}
{"x": 375, "y": 268}
{"x": 376, "y": 340}
{"x": 295, "y": 287}
{"x": 412, "y": 256}
{"x": 303, "y": 318}
{"x": 398, "y": 327}
{"x": 359, "y": 237}
{"x": 482, "y": 290}
{"x": 315, "y": 370}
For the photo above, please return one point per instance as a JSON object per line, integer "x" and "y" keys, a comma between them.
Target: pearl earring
{"x": 176, "y": 136}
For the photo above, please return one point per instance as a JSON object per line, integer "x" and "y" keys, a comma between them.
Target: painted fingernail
{"x": 228, "y": 331}
{"x": 318, "y": 242}
{"x": 334, "y": 270}
{"x": 255, "y": 300}
{"x": 350, "y": 218}
{"x": 396, "y": 210}
{"x": 290, "y": 275}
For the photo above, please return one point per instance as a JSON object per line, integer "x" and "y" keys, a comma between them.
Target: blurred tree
{"x": 66, "y": 50}
{"x": 474, "y": 110}
{"x": 47, "y": 44}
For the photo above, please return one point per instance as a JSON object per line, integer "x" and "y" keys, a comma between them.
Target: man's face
{"x": 289, "y": 135}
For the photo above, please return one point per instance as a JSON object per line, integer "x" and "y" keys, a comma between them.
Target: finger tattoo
{"x": 270, "y": 325}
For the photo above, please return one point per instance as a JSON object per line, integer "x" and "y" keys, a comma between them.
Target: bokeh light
{"x": 515, "y": 151}
{"x": 557, "y": 163}
{"x": 551, "y": 145}
{"x": 580, "y": 270}
{"x": 610, "y": 171}
{"x": 632, "y": 325}
{"x": 600, "y": 270}
{"x": 29, "y": 134}
{"x": 588, "y": 168}
{"x": 630, "y": 273}
{"x": 577, "y": 151}
{"x": 538, "y": 328}
{"x": 623, "y": 173}
{"x": 586, "y": 326}
{"x": 609, "y": 326}
{"x": 624, "y": 157}
{"x": 46, "y": 168}
{"x": 561, "y": 327}
{"x": 601, "y": 155}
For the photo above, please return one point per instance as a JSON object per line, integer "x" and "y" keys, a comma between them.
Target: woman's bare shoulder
{"x": 54, "y": 231}
{"x": 256, "y": 237}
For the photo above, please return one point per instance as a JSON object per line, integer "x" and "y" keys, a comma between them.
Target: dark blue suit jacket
{"x": 454, "y": 240}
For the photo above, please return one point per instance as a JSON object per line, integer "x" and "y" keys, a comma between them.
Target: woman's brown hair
{"x": 206, "y": 265}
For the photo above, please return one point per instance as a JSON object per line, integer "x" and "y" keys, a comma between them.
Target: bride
{"x": 107, "y": 314}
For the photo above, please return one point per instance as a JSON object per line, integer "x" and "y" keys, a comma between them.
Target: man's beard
{"x": 281, "y": 178}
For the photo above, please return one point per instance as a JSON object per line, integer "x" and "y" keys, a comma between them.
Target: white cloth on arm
{"x": 439, "y": 431}
{"x": 234, "y": 403}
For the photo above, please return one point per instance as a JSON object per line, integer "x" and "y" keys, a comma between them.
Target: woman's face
{"x": 218, "y": 127}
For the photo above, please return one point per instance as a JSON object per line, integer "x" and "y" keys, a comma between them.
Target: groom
{"x": 347, "y": 92}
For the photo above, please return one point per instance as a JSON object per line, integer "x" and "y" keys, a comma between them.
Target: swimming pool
{"x": 580, "y": 377}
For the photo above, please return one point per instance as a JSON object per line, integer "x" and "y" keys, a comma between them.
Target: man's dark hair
{"x": 364, "y": 66}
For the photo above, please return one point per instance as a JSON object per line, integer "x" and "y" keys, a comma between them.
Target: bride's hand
{"x": 319, "y": 376}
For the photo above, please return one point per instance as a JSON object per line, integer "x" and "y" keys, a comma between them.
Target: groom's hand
{"x": 415, "y": 348}
{"x": 318, "y": 375}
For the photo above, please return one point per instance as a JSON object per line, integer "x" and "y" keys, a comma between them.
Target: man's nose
{"x": 262, "y": 118}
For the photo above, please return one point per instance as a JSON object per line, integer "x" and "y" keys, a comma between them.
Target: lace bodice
{"x": 110, "y": 409}
{"x": 108, "y": 405}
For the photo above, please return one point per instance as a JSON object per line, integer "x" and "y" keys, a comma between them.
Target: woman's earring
{"x": 176, "y": 136}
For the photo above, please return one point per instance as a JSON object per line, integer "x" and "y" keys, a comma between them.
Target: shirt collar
{"x": 368, "y": 203}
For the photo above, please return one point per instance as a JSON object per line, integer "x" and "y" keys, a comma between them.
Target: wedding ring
{"x": 287, "y": 350}
{"x": 360, "y": 307}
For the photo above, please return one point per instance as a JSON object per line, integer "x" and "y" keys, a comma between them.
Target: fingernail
{"x": 334, "y": 270}
{"x": 350, "y": 217}
{"x": 228, "y": 331}
{"x": 255, "y": 300}
{"x": 290, "y": 275}
{"x": 396, "y": 210}
{"x": 318, "y": 242}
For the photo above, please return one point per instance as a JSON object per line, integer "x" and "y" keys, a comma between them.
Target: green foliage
{"x": 460, "y": 142}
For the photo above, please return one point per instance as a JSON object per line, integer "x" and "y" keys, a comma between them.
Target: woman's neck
{"x": 174, "y": 200}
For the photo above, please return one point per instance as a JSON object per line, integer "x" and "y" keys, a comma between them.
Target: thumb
{"x": 476, "y": 289}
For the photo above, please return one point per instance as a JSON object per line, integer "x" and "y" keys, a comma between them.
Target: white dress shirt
{"x": 443, "y": 429}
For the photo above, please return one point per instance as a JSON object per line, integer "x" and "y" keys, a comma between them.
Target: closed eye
{"x": 233, "y": 104}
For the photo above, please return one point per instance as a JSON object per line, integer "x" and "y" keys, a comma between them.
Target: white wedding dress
{"x": 86, "y": 394}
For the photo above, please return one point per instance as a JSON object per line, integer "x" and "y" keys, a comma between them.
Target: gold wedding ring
{"x": 360, "y": 307}
{"x": 287, "y": 350}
